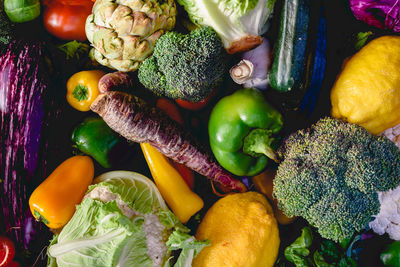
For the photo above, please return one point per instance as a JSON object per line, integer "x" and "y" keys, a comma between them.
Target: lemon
{"x": 242, "y": 230}
{"x": 367, "y": 92}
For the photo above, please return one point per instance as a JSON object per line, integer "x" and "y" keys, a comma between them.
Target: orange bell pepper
{"x": 183, "y": 202}
{"x": 264, "y": 183}
{"x": 53, "y": 201}
{"x": 82, "y": 89}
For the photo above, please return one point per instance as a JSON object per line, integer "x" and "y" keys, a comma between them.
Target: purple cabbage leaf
{"x": 383, "y": 14}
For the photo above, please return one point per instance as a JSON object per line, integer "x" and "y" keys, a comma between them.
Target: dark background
{"x": 342, "y": 29}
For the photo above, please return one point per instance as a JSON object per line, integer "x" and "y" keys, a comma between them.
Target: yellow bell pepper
{"x": 182, "y": 201}
{"x": 82, "y": 89}
{"x": 53, "y": 201}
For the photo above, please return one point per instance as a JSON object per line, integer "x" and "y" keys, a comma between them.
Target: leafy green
{"x": 189, "y": 245}
{"x": 74, "y": 49}
{"x": 298, "y": 251}
{"x": 319, "y": 260}
{"x": 308, "y": 250}
{"x": 362, "y": 38}
{"x": 231, "y": 19}
{"x": 101, "y": 234}
{"x": 347, "y": 262}
{"x": 330, "y": 250}
{"x": 390, "y": 256}
{"x": 136, "y": 190}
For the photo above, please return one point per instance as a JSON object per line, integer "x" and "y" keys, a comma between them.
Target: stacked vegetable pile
{"x": 96, "y": 96}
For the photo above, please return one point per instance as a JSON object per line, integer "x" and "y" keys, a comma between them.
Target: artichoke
{"x": 123, "y": 33}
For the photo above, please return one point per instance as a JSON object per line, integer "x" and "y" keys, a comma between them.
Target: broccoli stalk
{"x": 260, "y": 141}
{"x": 331, "y": 173}
{"x": 183, "y": 66}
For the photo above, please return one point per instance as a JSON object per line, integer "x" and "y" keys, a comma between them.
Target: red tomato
{"x": 7, "y": 251}
{"x": 186, "y": 173}
{"x": 14, "y": 264}
{"x": 170, "y": 109}
{"x": 66, "y": 19}
{"x": 196, "y": 105}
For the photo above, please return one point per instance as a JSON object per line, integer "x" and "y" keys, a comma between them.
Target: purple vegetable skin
{"x": 115, "y": 81}
{"x": 27, "y": 108}
{"x": 383, "y": 14}
{"x": 135, "y": 120}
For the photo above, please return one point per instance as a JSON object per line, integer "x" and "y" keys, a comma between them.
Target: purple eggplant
{"x": 27, "y": 111}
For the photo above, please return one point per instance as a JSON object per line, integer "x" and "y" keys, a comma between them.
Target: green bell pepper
{"x": 95, "y": 138}
{"x": 391, "y": 255}
{"x": 242, "y": 127}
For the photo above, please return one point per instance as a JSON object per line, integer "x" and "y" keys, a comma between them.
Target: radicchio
{"x": 383, "y": 14}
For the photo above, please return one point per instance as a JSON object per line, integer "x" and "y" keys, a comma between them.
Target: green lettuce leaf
{"x": 231, "y": 19}
{"x": 188, "y": 244}
{"x": 100, "y": 235}
{"x": 139, "y": 192}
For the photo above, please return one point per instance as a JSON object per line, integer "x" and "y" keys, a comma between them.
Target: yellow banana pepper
{"x": 82, "y": 89}
{"x": 53, "y": 201}
{"x": 182, "y": 201}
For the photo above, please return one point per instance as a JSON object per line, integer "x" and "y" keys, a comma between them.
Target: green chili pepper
{"x": 242, "y": 127}
{"x": 95, "y": 138}
{"x": 391, "y": 255}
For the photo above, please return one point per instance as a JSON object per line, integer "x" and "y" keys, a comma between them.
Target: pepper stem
{"x": 39, "y": 217}
{"x": 80, "y": 92}
{"x": 259, "y": 142}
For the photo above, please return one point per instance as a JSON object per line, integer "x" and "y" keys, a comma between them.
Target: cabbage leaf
{"x": 231, "y": 19}
{"x": 383, "y": 14}
{"x": 99, "y": 234}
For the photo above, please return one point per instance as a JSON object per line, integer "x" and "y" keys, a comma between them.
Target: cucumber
{"x": 290, "y": 49}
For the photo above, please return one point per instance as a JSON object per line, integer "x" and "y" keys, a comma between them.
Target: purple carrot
{"x": 115, "y": 81}
{"x": 132, "y": 118}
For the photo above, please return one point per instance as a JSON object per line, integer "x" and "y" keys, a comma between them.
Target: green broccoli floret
{"x": 330, "y": 175}
{"x": 183, "y": 66}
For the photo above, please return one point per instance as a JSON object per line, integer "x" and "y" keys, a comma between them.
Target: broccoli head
{"x": 330, "y": 175}
{"x": 183, "y": 66}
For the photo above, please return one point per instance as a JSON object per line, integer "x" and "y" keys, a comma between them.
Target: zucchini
{"x": 290, "y": 49}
